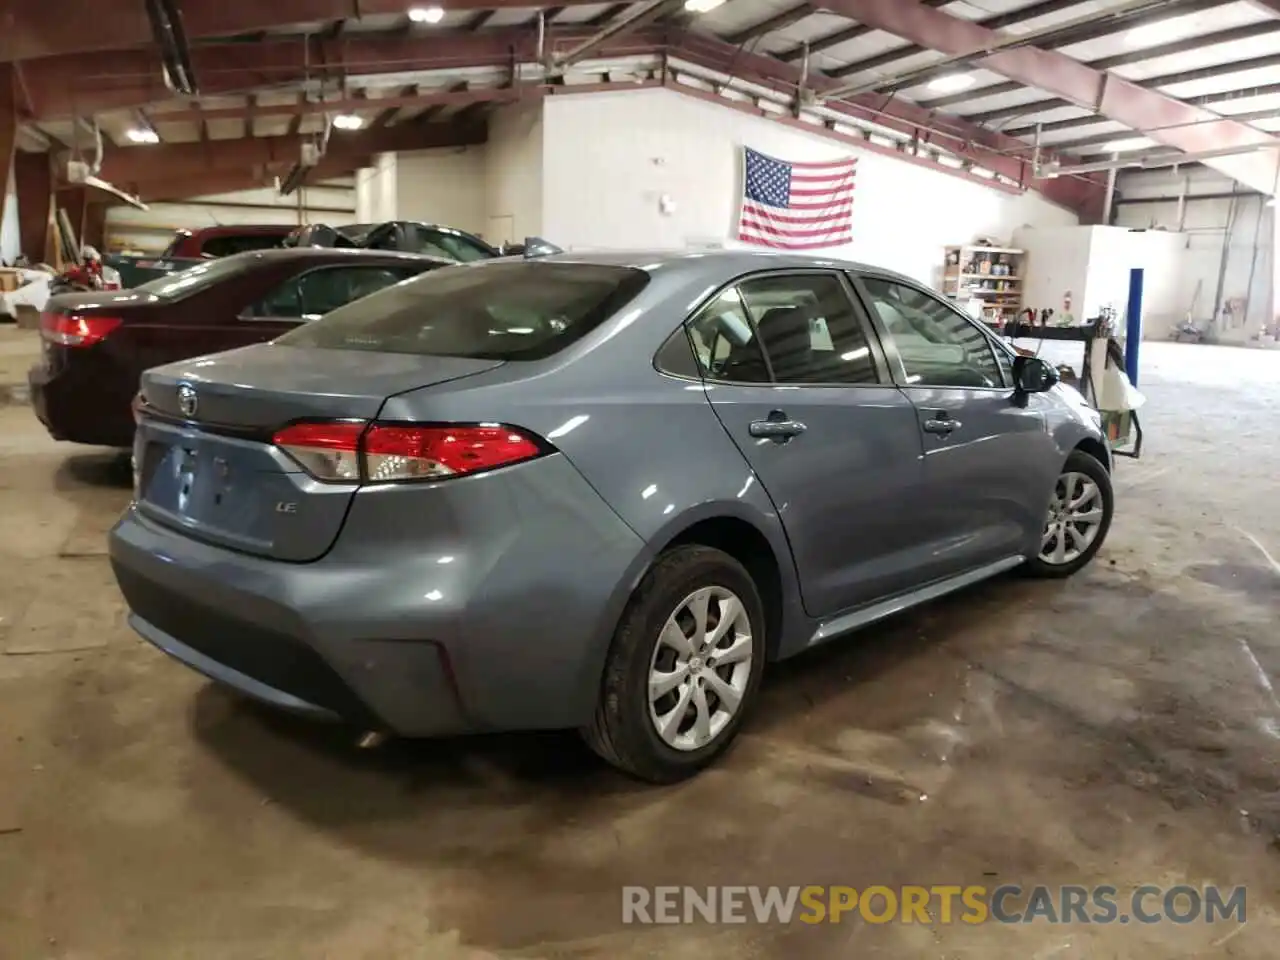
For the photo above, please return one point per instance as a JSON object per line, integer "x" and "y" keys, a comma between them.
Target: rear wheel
{"x": 683, "y": 667}
{"x": 1078, "y": 519}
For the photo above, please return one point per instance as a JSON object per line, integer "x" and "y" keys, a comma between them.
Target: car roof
{"x": 717, "y": 264}
{"x": 339, "y": 253}
{"x": 360, "y": 231}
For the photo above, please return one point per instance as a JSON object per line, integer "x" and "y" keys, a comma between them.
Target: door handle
{"x": 778, "y": 427}
{"x": 942, "y": 424}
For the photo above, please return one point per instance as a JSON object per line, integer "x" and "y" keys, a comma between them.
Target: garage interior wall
{"x": 375, "y": 189}
{"x": 1084, "y": 270}
{"x": 514, "y": 174}
{"x": 149, "y": 231}
{"x": 610, "y": 159}
{"x": 440, "y": 186}
{"x": 493, "y": 190}
{"x": 1226, "y": 267}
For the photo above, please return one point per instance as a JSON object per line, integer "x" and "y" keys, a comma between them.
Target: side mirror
{"x": 537, "y": 247}
{"x": 1033, "y": 375}
{"x": 511, "y": 249}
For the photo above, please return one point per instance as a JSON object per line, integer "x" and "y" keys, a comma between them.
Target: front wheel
{"x": 683, "y": 668}
{"x": 1078, "y": 520}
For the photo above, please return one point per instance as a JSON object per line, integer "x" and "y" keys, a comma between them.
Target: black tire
{"x": 1079, "y": 462}
{"x": 622, "y": 731}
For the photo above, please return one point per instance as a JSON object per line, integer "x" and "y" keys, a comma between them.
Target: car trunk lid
{"x": 78, "y": 321}
{"x": 206, "y": 463}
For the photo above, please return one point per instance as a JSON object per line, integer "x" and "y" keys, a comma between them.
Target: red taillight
{"x": 76, "y": 330}
{"x": 345, "y": 452}
{"x": 327, "y": 451}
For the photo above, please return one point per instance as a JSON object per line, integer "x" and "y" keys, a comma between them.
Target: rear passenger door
{"x": 985, "y": 449}
{"x": 800, "y": 384}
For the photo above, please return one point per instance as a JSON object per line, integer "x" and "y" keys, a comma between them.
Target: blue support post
{"x": 1133, "y": 326}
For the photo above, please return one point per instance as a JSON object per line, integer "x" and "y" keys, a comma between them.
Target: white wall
{"x": 1092, "y": 264}
{"x": 608, "y": 158}
{"x": 513, "y": 172}
{"x": 442, "y": 186}
{"x": 151, "y": 230}
{"x": 375, "y": 190}
{"x": 1228, "y": 253}
{"x": 9, "y": 240}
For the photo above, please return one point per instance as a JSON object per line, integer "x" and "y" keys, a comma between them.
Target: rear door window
{"x": 809, "y": 329}
{"x": 440, "y": 243}
{"x": 317, "y": 292}
{"x": 523, "y": 310}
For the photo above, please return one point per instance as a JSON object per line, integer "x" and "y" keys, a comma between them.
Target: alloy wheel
{"x": 700, "y": 668}
{"x": 1075, "y": 517}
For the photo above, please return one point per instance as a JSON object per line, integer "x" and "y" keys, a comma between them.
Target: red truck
{"x": 224, "y": 241}
{"x": 191, "y": 246}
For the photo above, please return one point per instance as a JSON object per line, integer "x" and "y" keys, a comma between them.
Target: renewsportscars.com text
{"x": 945, "y": 904}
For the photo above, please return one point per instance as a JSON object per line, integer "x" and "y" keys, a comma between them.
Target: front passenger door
{"x": 986, "y": 449}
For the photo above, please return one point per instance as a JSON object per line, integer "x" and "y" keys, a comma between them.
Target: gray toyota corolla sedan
{"x": 594, "y": 492}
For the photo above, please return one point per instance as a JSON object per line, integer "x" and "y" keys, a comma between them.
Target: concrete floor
{"x": 1119, "y": 728}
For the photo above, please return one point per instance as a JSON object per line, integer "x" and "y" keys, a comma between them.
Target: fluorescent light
{"x": 701, "y": 6}
{"x": 431, "y": 14}
{"x": 348, "y": 121}
{"x": 952, "y": 83}
{"x": 140, "y": 135}
{"x": 1123, "y": 146}
{"x": 1153, "y": 33}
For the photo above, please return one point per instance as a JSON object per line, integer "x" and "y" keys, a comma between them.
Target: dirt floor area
{"x": 1121, "y": 728}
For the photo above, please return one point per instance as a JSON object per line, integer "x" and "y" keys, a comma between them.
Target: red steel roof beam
{"x": 125, "y": 79}
{"x": 1166, "y": 120}
{"x": 983, "y": 147}
{"x": 30, "y": 30}
{"x": 180, "y": 160}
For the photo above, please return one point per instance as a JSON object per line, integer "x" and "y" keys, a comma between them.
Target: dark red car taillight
{"x": 355, "y": 451}
{"x": 76, "y": 330}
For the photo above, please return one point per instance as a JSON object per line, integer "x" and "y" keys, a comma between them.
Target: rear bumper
{"x": 75, "y": 404}
{"x": 406, "y": 625}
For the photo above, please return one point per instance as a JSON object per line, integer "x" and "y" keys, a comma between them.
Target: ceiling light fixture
{"x": 952, "y": 83}
{"x": 1123, "y": 146}
{"x": 143, "y": 135}
{"x": 432, "y": 14}
{"x": 348, "y": 121}
{"x": 701, "y": 6}
{"x": 1151, "y": 34}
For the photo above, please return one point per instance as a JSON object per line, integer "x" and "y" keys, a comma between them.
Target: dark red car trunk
{"x": 97, "y": 345}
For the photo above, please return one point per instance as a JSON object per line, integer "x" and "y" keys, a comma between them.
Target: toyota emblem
{"x": 187, "y": 400}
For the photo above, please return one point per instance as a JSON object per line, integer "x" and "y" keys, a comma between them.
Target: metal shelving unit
{"x": 968, "y": 275}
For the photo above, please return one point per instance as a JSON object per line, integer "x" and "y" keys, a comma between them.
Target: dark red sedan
{"x": 96, "y": 345}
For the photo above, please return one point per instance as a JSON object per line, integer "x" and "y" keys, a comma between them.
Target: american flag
{"x": 796, "y": 206}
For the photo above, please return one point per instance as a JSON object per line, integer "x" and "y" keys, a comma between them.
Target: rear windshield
{"x": 515, "y": 310}
{"x": 172, "y": 248}
{"x": 202, "y": 275}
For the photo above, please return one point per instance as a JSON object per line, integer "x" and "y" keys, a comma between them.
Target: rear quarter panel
{"x": 649, "y": 444}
